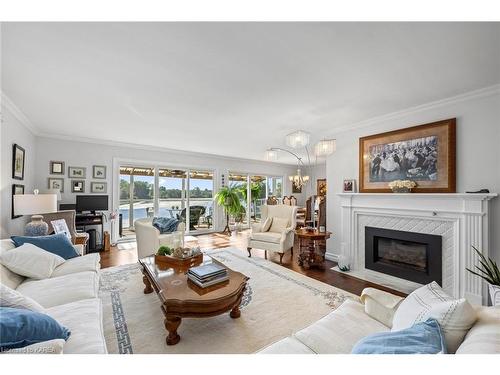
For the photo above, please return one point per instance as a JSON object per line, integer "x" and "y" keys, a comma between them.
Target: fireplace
{"x": 408, "y": 255}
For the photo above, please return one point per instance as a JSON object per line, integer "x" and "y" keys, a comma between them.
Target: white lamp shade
{"x": 325, "y": 147}
{"x": 33, "y": 204}
{"x": 298, "y": 139}
{"x": 271, "y": 155}
{"x": 53, "y": 191}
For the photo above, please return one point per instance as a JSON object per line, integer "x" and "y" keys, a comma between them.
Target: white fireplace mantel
{"x": 461, "y": 219}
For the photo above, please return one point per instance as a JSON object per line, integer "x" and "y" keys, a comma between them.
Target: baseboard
{"x": 332, "y": 257}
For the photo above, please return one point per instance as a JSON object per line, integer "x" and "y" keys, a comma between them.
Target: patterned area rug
{"x": 277, "y": 303}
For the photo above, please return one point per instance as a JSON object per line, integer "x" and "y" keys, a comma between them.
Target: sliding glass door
{"x": 240, "y": 182}
{"x": 254, "y": 191}
{"x": 184, "y": 194}
{"x": 136, "y": 194}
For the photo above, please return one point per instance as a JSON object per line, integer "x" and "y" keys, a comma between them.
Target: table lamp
{"x": 35, "y": 204}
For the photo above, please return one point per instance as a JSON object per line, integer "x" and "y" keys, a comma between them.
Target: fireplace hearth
{"x": 408, "y": 255}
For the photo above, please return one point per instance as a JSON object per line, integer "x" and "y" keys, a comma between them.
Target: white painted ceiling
{"x": 235, "y": 88}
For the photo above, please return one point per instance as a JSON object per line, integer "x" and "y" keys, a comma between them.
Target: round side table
{"x": 311, "y": 253}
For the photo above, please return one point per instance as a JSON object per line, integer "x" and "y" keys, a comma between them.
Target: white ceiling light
{"x": 298, "y": 139}
{"x": 271, "y": 155}
{"x": 325, "y": 147}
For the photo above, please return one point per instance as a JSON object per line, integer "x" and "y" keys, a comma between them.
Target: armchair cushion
{"x": 278, "y": 225}
{"x": 267, "y": 237}
{"x": 267, "y": 224}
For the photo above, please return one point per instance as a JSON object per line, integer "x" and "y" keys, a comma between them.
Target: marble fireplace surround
{"x": 461, "y": 220}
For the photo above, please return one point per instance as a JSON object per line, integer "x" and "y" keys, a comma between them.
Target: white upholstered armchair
{"x": 277, "y": 233}
{"x": 149, "y": 238}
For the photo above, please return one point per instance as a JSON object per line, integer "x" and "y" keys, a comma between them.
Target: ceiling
{"x": 235, "y": 89}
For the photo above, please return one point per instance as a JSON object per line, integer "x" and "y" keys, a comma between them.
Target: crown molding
{"x": 471, "y": 95}
{"x": 17, "y": 113}
{"x": 107, "y": 142}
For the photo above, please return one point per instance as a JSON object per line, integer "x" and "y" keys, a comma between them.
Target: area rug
{"x": 277, "y": 303}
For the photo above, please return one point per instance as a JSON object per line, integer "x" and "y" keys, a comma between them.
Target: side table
{"x": 311, "y": 253}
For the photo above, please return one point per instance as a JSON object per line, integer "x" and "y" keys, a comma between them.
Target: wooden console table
{"x": 311, "y": 253}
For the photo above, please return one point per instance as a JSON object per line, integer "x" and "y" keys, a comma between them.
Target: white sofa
{"x": 70, "y": 296}
{"x": 277, "y": 242}
{"x": 339, "y": 331}
{"x": 149, "y": 238}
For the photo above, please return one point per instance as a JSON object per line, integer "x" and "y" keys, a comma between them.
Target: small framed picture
{"x": 76, "y": 172}
{"x": 98, "y": 187}
{"x": 16, "y": 190}
{"x": 99, "y": 171}
{"x": 296, "y": 189}
{"x": 18, "y": 156}
{"x": 60, "y": 226}
{"x": 56, "y": 183}
{"x": 78, "y": 186}
{"x": 56, "y": 167}
{"x": 349, "y": 186}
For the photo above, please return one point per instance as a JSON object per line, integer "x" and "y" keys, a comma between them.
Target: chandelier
{"x": 298, "y": 180}
{"x": 296, "y": 140}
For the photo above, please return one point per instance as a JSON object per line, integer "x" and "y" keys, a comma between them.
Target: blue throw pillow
{"x": 23, "y": 327}
{"x": 57, "y": 244}
{"x": 165, "y": 224}
{"x": 421, "y": 338}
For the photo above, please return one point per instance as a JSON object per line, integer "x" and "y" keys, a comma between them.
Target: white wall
{"x": 478, "y": 154}
{"x": 84, "y": 154}
{"x": 315, "y": 172}
{"x": 13, "y": 131}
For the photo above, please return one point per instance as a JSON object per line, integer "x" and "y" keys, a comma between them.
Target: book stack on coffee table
{"x": 207, "y": 275}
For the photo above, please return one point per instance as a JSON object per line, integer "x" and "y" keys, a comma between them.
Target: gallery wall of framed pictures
{"x": 77, "y": 176}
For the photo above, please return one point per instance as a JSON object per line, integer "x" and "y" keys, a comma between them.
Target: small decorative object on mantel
{"x": 490, "y": 273}
{"x": 349, "y": 186}
{"x": 424, "y": 153}
{"x": 402, "y": 186}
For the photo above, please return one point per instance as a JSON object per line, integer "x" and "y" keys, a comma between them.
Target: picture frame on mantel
{"x": 425, "y": 154}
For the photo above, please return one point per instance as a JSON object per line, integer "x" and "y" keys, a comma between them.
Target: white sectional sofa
{"x": 70, "y": 296}
{"x": 339, "y": 331}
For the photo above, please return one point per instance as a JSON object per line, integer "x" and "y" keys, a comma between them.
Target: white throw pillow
{"x": 12, "y": 298}
{"x": 31, "y": 261}
{"x": 278, "y": 225}
{"x": 455, "y": 316}
{"x": 267, "y": 224}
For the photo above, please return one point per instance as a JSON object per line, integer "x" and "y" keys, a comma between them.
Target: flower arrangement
{"x": 402, "y": 186}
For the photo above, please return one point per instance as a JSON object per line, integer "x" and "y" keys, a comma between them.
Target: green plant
{"x": 256, "y": 190}
{"x": 228, "y": 198}
{"x": 164, "y": 250}
{"x": 489, "y": 269}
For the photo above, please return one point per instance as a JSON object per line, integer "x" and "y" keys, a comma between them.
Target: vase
{"x": 401, "y": 190}
{"x": 495, "y": 294}
{"x": 344, "y": 263}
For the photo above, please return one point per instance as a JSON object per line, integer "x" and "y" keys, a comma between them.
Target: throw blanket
{"x": 165, "y": 224}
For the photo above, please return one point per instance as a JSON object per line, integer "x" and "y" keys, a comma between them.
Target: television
{"x": 91, "y": 203}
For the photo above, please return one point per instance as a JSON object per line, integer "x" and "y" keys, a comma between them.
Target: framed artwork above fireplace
{"x": 424, "y": 154}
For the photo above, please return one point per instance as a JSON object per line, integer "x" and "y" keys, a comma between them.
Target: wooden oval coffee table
{"x": 181, "y": 298}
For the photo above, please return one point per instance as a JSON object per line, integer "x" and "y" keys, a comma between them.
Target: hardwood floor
{"x": 116, "y": 257}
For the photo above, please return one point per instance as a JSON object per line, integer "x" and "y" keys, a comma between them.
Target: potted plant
{"x": 228, "y": 198}
{"x": 239, "y": 217}
{"x": 489, "y": 272}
